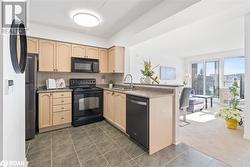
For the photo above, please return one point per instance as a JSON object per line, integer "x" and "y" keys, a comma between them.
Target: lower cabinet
{"x": 115, "y": 109}
{"x": 54, "y": 110}
{"x": 45, "y": 110}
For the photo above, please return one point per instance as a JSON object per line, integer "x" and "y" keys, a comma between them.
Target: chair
{"x": 184, "y": 101}
{"x": 195, "y": 103}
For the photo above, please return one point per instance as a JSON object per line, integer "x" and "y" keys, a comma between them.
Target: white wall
{"x": 13, "y": 109}
{"x": 1, "y": 90}
{"x": 247, "y": 77}
{"x": 149, "y": 50}
{"x": 49, "y": 32}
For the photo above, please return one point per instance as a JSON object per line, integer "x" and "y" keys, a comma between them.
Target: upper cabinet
{"x": 103, "y": 60}
{"x": 32, "y": 45}
{"x": 47, "y": 55}
{"x": 54, "y": 56}
{"x": 92, "y": 52}
{"x": 116, "y": 59}
{"x": 82, "y": 51}
{"x": 78, "y": 51}
{"x": 63, "y": 57}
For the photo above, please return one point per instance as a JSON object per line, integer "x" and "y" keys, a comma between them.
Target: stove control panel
{"x": 76, "y": 82}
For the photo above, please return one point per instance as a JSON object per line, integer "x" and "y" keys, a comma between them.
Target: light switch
{"x": 9, "y": 87}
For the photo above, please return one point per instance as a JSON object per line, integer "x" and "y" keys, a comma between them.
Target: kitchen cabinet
{"x": 32, "y": 45}
{"x": 61, "y": 117}
{"x": 45, "y": 110}
{"x": 54, "y": 110}
{"x": 108, "y": 105}
{"x": 103, "y": 60}
{"x": 78, "y": 51}
{"x": 92, "y": 52}
{"x": 120, "y": 110}
{"x": 116, "y": 59}
{"x": 54, "y": 56}
{"x": 81, "y": 51}
{"x": 63, "y": 57}
{"x": 115, "y": 109}
{"x": 47, "y": 55}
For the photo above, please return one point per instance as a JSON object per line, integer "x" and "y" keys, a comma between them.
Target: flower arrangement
{"x": 186, "y": 78}
{"x": 148, "y": 72}
{"x": 231, "y": 114}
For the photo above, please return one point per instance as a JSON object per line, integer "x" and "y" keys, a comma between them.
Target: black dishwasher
{"x": 137, "y": 119}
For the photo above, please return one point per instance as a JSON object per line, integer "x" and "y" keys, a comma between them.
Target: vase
{"x": 110, "y": 86}
{"x": 232, "y": 123}
{"x": 147, "y": 80}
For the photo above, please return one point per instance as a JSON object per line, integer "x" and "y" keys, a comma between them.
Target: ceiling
{"x": 115, "y": 14}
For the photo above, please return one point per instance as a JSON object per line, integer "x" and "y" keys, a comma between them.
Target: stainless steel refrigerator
{"x": 30, "y": 96}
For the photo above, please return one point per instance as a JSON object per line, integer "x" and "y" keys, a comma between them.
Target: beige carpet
{"x": 210, "y": 136}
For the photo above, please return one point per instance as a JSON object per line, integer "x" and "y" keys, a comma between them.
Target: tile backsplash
{"x": 100, "y": 78}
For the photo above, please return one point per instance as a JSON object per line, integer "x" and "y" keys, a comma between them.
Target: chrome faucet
{"x": 131, "y": 80}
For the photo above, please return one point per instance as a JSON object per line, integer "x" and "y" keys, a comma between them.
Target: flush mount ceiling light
{"x": 86, "y": 19}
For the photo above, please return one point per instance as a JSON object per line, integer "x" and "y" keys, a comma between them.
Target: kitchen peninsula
{"x": 155, "y": 127}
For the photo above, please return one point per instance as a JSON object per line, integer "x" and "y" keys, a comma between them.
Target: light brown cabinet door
{"x": 47, "y": 54}
{"x": 61, "y": 117}
{"x": 120, "y": 110}
{"x": 32, "y": 45}
{"x": 45, "y": 110}
{"x": 92, "y": 52}
{"x": 78, "y": 51}
{"x": 111, "y": 60}
{"x": 63, "y": 57}
{"x": 109, "y": 105}
{"x": 103, "y": 60}
{"x": 116, "y": 60}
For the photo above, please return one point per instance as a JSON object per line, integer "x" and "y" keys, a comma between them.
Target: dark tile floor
{"x": 102, "y": 145}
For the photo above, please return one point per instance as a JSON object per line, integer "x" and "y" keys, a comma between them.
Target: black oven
{"x": 87, "y": 102}
{"x": 84, "y": 65}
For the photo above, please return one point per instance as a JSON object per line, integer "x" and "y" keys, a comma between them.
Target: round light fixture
{"x": 86, "y": 19}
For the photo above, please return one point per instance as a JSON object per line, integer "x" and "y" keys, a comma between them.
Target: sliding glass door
{"x": 205, "y": 78}
{"x": 198, "y": 78}
{"x": 212, "y": 78}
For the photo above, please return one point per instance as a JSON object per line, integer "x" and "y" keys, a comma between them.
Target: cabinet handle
{"x": 138, "y": 102}
{"x": 62, "y": 94}
{"x": 62, "y": 117}
{"x": 62, "y": 101}
{"x": 62, "y": 108}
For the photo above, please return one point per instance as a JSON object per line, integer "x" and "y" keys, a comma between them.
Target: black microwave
{"x": 84, "y": 65}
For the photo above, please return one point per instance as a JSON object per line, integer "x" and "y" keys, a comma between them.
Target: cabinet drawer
{"x": 61, "y": 101}
{"x": 60, "y": 108}
{"x": 61, "y": 117}
{"x": 61, "y": 94}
